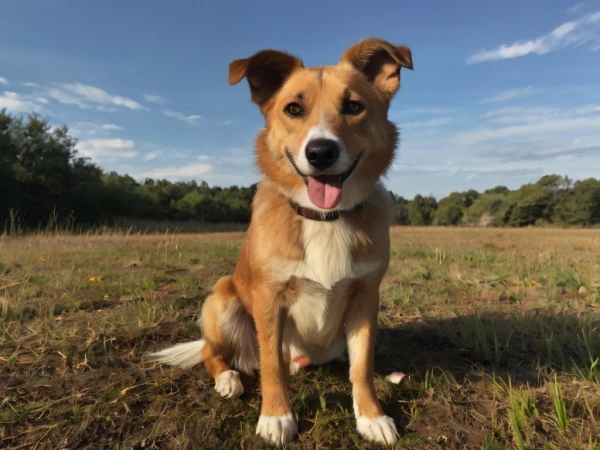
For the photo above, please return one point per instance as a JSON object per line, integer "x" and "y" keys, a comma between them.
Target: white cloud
{"x": 553, "y": 126}
{"x": 510, "y": 94}
{"x": 570, "y": 34}
{"x": 226, "y": 161}
{"x": 3, "y": 81}
{"x": 83, "y": 95}
{"x": 227, "y": 122}
{"x": 176, "y": 173}
{"x": 105, "y": 109}
{"x": 97, "y": 95}
{"x": 65, "y": 98}
{"x": 107, "y": 149}
{"x": 151, "y": 156}
{"x": 575, "y": 8}
{"x": 155, "y": 99}
{"x": 471, "y": 170}
{"x": 42, "y": 100}
{"x": 425, "y": 111}
{"x": 426, "y": 123}
{"x": 193, "y": 120}
{"x": 16, "y": 103}
{"x": 111, "y": 126}
{"x": 30, "y": 85}
{"x": 80, "y": 128}
{"x": 515, "y": 114}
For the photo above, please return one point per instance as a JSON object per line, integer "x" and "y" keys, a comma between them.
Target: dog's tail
{"x": 184, "y": 355}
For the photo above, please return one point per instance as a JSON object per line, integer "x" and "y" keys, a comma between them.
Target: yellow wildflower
{"x": 42, "y": 259}
{"x": 106, "y": 296}
{"x": 534, "y": 282}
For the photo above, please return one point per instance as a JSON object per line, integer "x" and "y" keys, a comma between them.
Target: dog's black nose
{"x": 322, "y": 153}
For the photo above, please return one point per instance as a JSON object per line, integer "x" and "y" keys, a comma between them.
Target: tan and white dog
{"x": 306, "y": 286}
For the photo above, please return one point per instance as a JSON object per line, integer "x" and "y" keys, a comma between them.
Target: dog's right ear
{"x": 266, "y": 71}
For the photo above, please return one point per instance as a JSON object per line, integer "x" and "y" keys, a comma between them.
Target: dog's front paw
{"x": 381, "y": 429}
{"x": 277, "y": 430}
{"x": 228, "y": 384}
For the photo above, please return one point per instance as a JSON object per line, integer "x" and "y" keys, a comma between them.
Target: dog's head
{"x": 327, "y": 138}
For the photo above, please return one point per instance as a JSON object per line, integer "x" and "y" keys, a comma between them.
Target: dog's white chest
{"x": 328, "y": 255}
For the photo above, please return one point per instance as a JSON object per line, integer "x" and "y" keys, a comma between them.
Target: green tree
{"x": 580, "y": 205}
{"x": 450, "y": 209}
{"x": 421, "y": 210}
{"x": 401, "y": 214}
{"x": 528, "y": 205}
{"x": 488, "y": 209}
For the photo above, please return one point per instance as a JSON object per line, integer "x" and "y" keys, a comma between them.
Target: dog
{"x": 305, "y": 290}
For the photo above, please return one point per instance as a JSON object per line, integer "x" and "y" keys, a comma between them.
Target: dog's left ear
{"x": 380, "y": 62}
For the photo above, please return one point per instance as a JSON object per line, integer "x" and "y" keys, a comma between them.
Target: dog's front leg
{"x": 277, "y": 424}
{"x": 361, "y": 329}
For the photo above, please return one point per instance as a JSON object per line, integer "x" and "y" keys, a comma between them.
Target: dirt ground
{"x": 497, "y": 331}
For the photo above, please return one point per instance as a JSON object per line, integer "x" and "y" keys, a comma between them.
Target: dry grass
{"x": 498, "y": 331}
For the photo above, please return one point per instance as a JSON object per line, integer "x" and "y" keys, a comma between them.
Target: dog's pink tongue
{"x": 325, "y": 191}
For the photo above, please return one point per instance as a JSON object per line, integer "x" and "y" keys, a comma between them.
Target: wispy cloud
{"x": 107, "y": 149}
{"x": 426, "y": 123}
{"x": 577, "y": 7}
{"x": 151, "y": 156}
{"x": 526, "y": 153}
{"x": 188, "y": 171}
{"x": 155, "y": 99}
{"x": 585, "y": 30}
{"x": 227, "y": 122}
{"x": 3, "y": 81}
{"x": 470, "y": 171}
{"x": 111, "y": 126}
{"x": 510, "y": 94}
{"x": 65, "y": 98}
{"x": 79, "y": 128}
{"x": 96, "y": 95}
{"x": 516, "y": 114}
{"x": 224, "y": 160}
{"x": 555, "y": 126}
{"x": 29, "y": 84}
{"x": 83, "y": 96}
{"x": 424, "y": 111}
{"x": 105, "y": 109}
{"x": 16, "y": 103}
{"x": 192, "y": 120}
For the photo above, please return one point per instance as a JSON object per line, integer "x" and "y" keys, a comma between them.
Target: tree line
{"x": 43, "y": 178}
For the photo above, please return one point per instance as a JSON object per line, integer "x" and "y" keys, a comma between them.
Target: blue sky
{"x": 502, "y": 92}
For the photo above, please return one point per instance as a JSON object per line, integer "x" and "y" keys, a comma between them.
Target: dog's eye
{"x": 293, "y": 109}
{"x": 352, "y": 107}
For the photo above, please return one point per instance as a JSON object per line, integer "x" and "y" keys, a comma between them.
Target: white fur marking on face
{"x": 278, "y": 430}
{"x": 381, "y": 429}
{"x": 228, "y": 384}
{"x": 321, "y": 131}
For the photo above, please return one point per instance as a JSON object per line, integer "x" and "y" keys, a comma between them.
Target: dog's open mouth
{"x": 325, "y": 191}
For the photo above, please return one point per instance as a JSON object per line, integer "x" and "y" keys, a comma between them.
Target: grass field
{"x": 498, "y": 332}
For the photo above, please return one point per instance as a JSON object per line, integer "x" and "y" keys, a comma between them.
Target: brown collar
{"x": 320, "y": 216}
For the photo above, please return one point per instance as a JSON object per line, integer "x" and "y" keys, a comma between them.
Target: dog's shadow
{"x": 459, "y": 351}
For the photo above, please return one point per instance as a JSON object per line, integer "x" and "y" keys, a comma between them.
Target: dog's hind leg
{"x": 229, "y": 341}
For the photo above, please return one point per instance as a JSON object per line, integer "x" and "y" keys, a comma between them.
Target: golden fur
{"x": 307, "y": 291}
